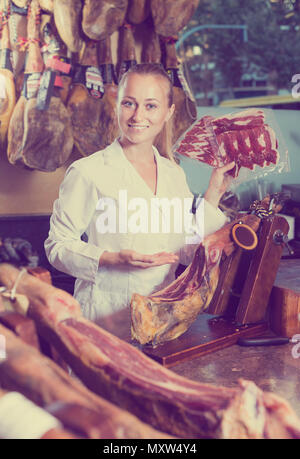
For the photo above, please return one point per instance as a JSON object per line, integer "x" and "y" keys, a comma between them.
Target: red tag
{"x": 96, "y": 94}
{"x": 58, "y": 81}
{"x": 56, "y": 64}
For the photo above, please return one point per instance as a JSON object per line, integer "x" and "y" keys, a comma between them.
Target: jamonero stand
{"x": 239, "y": 306}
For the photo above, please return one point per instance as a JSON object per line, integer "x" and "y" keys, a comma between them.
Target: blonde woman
{"x": 119, "y": 198}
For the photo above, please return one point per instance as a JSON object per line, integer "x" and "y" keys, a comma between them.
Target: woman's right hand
{"x": 133, "y": 258}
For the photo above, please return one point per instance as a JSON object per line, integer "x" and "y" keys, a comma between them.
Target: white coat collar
{"x": 115, "y": 156}
{"x": 114, "y": 153}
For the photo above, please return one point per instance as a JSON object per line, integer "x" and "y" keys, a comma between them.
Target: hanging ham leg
{"x": 126, "y": 50}
{"x": 56, "y": 56}
{"x": 108, "y": 126}
{"x": 138, "y": 11}
{"x": 67, "y": 16}
{"x": 87, "y": 106}
{"x": 7, "y": 84}
{"x": 47, "y": 140}
{"x": 21, "y": 3}
{"x": 47, "y": 5}
{"x": 100, "y": 18}
{"x": 167, "y": 314}
{"x": 185, "y": 106}
{"x": 170, "y": 16}
{"x": 18, "y": 32}
{"x": 151, "y": 52}
{"x": 15, "y": 133}
{"x": 121, "y": 373}
{"x": 34, "y": 65}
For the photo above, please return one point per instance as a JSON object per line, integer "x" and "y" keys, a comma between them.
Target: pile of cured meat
{"x": 125, "y": 393}
{"x": 61, "y": 61}
{"x": 167, "y": 314}
{"x": 242, "y": 137}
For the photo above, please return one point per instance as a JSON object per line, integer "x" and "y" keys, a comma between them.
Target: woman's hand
{"x": 218, "y": 184}
{"x": 133, "y": 258}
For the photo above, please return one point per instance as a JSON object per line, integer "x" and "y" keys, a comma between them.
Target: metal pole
{"x": 185, "y": 35}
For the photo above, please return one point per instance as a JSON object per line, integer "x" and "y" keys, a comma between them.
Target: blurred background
{"x": 239, "y": 54}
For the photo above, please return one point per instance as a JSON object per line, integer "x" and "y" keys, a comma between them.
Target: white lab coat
{"x": 89, "y": 200}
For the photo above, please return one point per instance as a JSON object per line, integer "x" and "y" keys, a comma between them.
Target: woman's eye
{"x": 127, "y": 103}
{"x": 151, "y": 106}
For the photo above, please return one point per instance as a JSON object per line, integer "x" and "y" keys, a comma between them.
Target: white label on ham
{"x": 2, "y": 87}
{"x": 94, "y": 82}
{"x": 32, "y": 85}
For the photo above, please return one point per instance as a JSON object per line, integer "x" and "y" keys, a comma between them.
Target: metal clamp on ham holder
{"x": 238, "y": 308}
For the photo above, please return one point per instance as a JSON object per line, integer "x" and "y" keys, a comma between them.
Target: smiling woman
{"x": 112, "y": 265}
{"x": 145, "y": 105}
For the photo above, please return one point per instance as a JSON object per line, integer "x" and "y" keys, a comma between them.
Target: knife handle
{"x": 271, "y": 341}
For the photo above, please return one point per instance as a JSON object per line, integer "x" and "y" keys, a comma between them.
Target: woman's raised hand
{"x": 218, "y": 184}
{"x": 133, "y": 258}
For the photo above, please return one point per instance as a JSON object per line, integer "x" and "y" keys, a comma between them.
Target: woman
{"x": 114, "y": 196}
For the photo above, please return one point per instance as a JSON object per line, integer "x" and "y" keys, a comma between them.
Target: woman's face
{"x": 143, "y": 107}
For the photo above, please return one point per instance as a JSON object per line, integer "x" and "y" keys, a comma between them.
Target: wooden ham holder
{"x": 239, "y": 306}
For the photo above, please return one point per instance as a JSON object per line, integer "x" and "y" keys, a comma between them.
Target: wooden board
{"x": 207, "y": 334}
{"x": 284, "y": 304}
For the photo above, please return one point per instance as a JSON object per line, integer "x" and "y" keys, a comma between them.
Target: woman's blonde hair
{"x": 163, "y": 141}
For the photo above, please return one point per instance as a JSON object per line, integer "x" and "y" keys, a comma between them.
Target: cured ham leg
{"x": 56, "y": 58}
{"x": 138, "y": 11}
{"x": 21, "y": 3}
{"x": 38, "y": 139}
{"x": 33, "y": 70}
{"x": 86, "y": 105}
{"x": 67, "y": 17}
{"x": 126, "y": 50}
{"x": 101, "y": 18}
{"x": 170, "y": 16}
{"x": 151, "y": 52}
{"x": 15, "y": 133}
{"x": 185, "y": 106}
{"x": 108, "y": 125}
{"x": 40, "y": 380}
{"x": 121, "y": 373}
{"x": 17, "y": 33}
{"x": 7, "y": 84}
{"x": 52, "y": 147}
{"x": 167, "y": 314}
{"x": 47, "y": 5}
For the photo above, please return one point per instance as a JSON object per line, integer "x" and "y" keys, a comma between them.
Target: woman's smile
{"x": 137, "y": 127}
